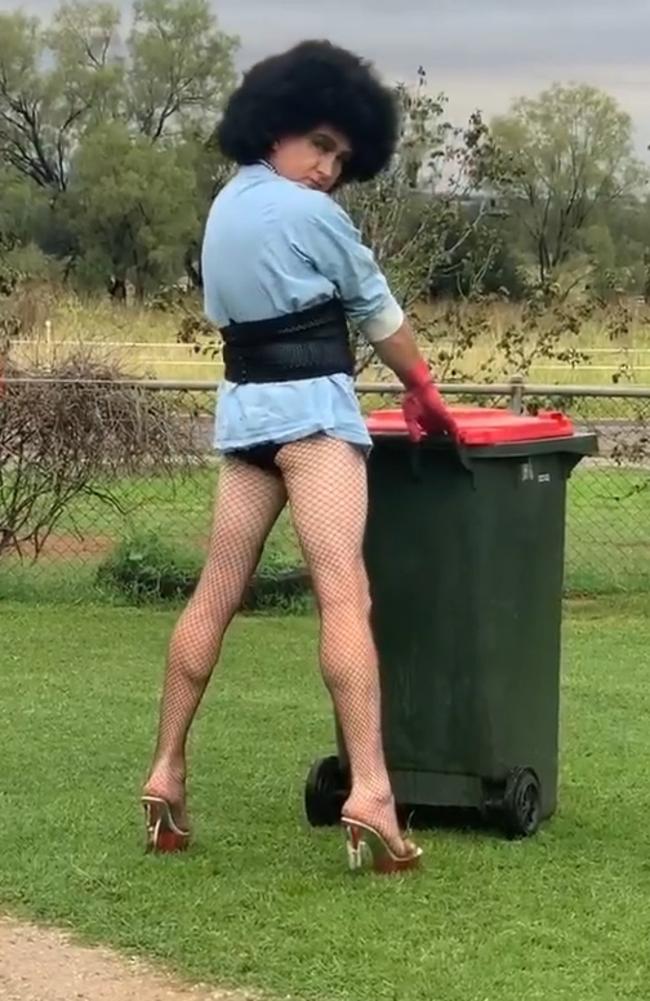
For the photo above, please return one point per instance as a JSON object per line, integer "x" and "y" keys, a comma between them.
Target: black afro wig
{"x": 314, "y": 83}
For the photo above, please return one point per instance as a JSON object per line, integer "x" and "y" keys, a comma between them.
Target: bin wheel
{"x": 522, "y": 803}
{"x": 326, "y": 789}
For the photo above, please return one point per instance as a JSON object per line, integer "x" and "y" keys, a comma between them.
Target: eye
{"x": 323, "y": 143}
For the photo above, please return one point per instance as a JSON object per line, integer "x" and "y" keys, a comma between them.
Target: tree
{"x": 181, "y": 66}
{"x": 572, "y": 152}
{"x": 131, "y": 205}
{"x": 53, "y": 82}
{"x": 58, "y": 82}
{"x": 22, "y": 209}
{"x": 25, "y": 218}
{"x": 210, "y": 172}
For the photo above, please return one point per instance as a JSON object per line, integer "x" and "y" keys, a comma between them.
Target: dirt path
{"x": 39, "y": 964}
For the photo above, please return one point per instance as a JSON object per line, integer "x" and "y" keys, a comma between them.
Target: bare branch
{"x": 62, "y": 440}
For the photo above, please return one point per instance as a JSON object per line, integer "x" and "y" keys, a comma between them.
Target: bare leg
{"x": 249, "y": 502}
{"x": 327, "y": 486}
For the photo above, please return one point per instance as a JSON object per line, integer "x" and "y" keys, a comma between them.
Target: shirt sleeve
{"x": 324, "y": 235}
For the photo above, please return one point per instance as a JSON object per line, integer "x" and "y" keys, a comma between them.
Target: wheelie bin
{"x": 465, "y": 554}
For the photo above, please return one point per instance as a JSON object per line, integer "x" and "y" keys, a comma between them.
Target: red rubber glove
{"x": 424, "y": 409}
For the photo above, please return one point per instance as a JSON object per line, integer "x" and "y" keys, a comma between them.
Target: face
{"x": 315, "y": 159}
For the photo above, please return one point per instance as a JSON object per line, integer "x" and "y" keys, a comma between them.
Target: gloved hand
{"x": 424, "y": 409}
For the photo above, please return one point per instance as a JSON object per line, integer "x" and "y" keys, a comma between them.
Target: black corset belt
{"x": 303, "y": 345}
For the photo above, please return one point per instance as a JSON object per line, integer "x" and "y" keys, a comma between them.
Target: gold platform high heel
{"x": 366, "y": 846}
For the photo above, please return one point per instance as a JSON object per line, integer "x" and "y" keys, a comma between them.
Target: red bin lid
{"x": 480, "y": 426}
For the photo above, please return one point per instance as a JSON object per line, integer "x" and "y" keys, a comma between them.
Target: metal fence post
{"x": 516, "y": 401}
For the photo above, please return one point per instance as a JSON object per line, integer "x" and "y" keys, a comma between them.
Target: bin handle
{"x": 463, "y": 456}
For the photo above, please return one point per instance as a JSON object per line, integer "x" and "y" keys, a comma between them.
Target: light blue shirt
{"x": 272, "y": 247}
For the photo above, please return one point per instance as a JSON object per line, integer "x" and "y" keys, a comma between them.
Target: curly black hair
{"x": 314, "y": 83}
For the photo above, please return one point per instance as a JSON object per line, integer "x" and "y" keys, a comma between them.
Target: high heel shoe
{"x": 163, "y": 833}
{"x": 366, "y": 845}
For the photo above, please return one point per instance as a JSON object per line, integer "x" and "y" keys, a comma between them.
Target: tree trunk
{"x": 139, "y": 285}
{"x": 192, "y": 270}
{"x": 117, "y": 288}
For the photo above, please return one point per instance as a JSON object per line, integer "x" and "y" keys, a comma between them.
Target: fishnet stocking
{"x": 325, "y": 480}
{"x": 249, "y": 502}
{"x": 327, "y": 487}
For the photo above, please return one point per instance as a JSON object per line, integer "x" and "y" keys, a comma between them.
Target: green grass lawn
{"x": 264, "y": 901}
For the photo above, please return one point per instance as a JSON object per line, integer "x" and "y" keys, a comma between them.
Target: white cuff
{"x": 383, "y": 324}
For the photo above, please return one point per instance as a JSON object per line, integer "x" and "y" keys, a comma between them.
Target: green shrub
{"x": 145, "y": 568}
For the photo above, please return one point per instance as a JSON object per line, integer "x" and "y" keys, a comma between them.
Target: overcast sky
{"x": 481, "y": 53}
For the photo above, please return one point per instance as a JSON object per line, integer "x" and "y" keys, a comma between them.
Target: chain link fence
{"x": 608, "y": 518}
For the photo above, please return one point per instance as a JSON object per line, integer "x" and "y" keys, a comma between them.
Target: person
{"x": 285, "y": 271}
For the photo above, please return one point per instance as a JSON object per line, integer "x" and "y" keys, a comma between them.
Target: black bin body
{"x": 465, "y": 556}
